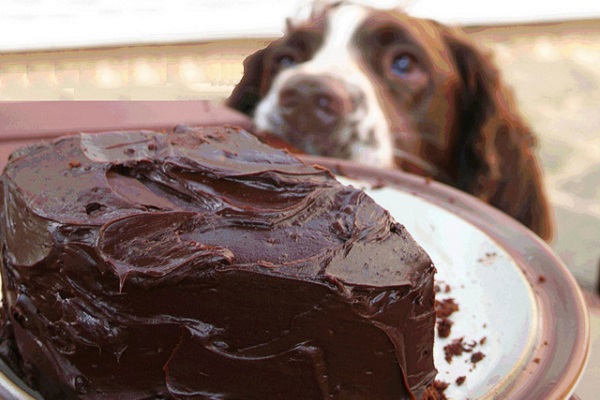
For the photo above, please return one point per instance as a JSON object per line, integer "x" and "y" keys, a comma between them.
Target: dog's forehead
{"x": 426, "y": 34}
{"x": 357, "y": 20}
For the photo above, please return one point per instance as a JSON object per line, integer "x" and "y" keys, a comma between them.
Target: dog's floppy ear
{"x": 248, "y": 91}
{"x": 495, "y": 147}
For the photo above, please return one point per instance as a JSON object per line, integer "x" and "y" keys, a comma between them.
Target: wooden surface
{"x": 22, "y": 123}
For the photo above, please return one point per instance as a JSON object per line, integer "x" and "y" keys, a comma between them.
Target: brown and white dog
{"x": 390, "y": 90}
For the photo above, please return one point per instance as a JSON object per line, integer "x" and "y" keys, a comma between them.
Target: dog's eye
{"x": 404, "y": 69}
{"x": 280, "y": 60}
{"x": 403, "y": 64}
{"x": 286, "y": 61}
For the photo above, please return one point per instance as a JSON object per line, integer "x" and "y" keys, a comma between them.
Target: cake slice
{"x": 203, "y": 264}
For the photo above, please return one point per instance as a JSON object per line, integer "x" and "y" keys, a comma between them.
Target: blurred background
{"x": 548, "y": 52}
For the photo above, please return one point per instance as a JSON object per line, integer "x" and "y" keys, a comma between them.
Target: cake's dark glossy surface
{"x": 203, "y": 264}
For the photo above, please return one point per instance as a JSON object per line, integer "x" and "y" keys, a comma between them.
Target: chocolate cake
{"x": 203, "y": 264}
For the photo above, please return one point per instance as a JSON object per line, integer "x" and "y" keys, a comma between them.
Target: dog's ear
{"x": 495, "y": 147}
{"x": 248, "y": 91}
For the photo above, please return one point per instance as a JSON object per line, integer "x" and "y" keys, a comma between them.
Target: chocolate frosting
{"x": 203, "y": 264}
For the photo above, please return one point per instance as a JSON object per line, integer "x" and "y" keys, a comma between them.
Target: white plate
{"x": 510, "y": 286}
{"x": 495, "y": 300}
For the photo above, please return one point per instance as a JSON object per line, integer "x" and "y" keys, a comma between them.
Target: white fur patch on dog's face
{"x": 364, "y": 132}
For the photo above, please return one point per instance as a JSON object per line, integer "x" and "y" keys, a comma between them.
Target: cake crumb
{"x": 445, "y": 308}
{"x": 476, "y": 357}
{"x": 435, "y": 391}
{"x": 460, "y": 380}
{"x": 537, "y": 360}
{"x": 541, "y": 279}
{"x": 488, "y": 259}
{"x": 444, "y": 327}
{"x": 456, "y": 348}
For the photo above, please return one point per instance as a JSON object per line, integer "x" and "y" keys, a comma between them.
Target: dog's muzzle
{"x": 314, "y": 108}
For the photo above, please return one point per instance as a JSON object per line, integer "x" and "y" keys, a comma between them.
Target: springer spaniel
{"x": 390, "y": 90}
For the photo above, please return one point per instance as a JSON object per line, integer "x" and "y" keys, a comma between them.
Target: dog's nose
{"x": 314, "y": 103}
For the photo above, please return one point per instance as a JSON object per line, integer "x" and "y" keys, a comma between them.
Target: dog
{"x": 390, "y": 90}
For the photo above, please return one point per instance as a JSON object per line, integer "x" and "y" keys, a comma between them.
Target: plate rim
{"x": 553, "y": 372}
